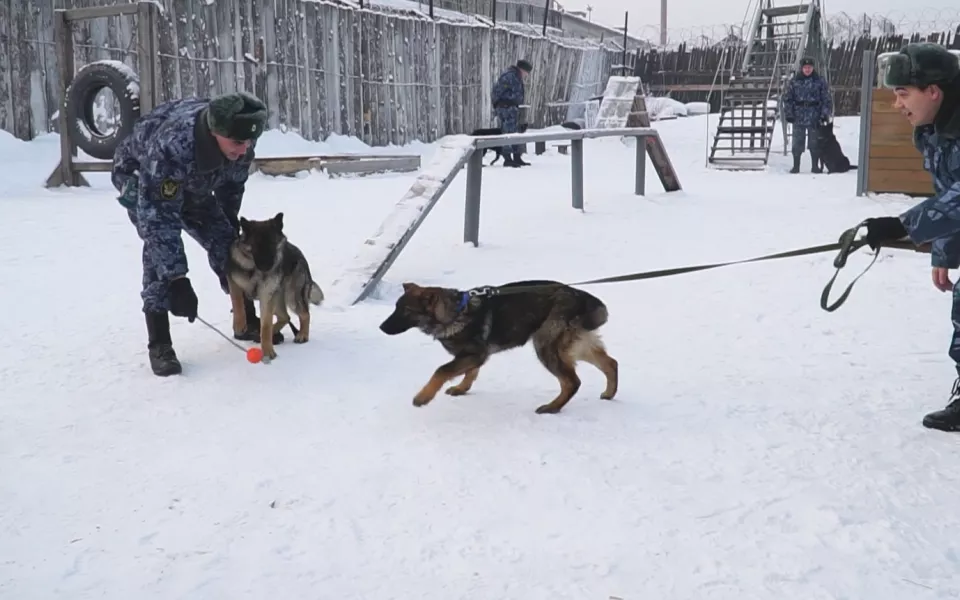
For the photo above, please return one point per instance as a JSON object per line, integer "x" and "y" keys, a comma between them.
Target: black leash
{"x": 847, "y": 245}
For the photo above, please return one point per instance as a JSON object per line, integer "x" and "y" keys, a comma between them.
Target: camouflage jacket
{"x": 807, "y": 100}
{"x": 936, "y": 220}
{"x": 175, "y": 163}
{"x": 508, "y": 91}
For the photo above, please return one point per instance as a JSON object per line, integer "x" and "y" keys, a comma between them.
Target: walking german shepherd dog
{"x": 264, "y": 266}
{"x": 562, "y": 322}
{"x": 522, "y": 128}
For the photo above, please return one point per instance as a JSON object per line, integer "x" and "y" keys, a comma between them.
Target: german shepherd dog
{"x": 522, "y": 128}
{"x": 264, "y": 266}
{"x": 831, "y": 155}
{"x": 561, "y": 320}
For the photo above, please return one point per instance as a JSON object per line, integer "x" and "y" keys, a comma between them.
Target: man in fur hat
{"x": 184, "y": 168}
{"x": 926, "y": 80}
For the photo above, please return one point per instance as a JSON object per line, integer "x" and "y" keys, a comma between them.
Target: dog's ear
{"x": 410, "y": 288}
{"x": 278, "y": 222}
{"x": 244, "y": 224}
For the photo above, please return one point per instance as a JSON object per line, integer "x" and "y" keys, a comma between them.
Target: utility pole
{"x": 663, "y": 22}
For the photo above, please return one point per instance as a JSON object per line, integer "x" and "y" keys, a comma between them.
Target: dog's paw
{"x": 606, "y": 396}
{"x": 301, "y": 338}
{"x": 547, "y": 409}
{"x": 455, "y": 390}
{"x": 270, "y": 354}
{"x": 422, "y": 399}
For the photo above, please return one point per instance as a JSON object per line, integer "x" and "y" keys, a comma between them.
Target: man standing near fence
{"x": 926, "y": 80}
{"x": 507, "y": 97}
{"x": 184, "y": 168}
{"x": 806, "y": 105}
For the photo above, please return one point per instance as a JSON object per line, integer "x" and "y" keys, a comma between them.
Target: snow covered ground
{"x": 759, "y": 448}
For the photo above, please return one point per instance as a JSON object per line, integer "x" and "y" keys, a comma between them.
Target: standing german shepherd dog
{"x": 561, "y": 320}
{"x": 522, "y": 128}
{"x": 264, "y": 266}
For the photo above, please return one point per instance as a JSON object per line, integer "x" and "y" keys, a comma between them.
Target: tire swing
{"x": 89, "y": 81}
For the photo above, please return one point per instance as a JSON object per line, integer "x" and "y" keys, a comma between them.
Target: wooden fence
{"x": 322, "y": 67}
{"x": 687, "y": 74}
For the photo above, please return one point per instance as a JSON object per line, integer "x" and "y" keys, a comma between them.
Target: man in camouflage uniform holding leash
{"x": 926, "y": 81}
{"x": 184, "y": 168}
{"x": 507, "y": 96}
{"x": 806, "y": 104}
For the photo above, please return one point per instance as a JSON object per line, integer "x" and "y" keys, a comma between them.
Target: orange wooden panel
{"x": 902, "y": 182}
{"x": 896, "y": 164}
{"x": 895, "y": 151}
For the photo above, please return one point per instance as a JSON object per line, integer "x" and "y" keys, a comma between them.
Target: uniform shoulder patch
{"x": 169, "y": 188}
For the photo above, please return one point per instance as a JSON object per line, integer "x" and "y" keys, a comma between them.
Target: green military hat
{"x": 921, "y": 64}
{"x": 238, "y": 116}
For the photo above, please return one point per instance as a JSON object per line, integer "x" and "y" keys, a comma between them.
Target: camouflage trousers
{"x": 202, "y": 220}
{"x": 809, "y": 136}
{"x": 955, "y": 317}
{"x": 509, "y": 118}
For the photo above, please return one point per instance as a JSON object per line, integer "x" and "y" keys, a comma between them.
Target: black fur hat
{"x": 524, "y": 65}
{"x": 921, "y": 64}
{"x": 238, "y": 116}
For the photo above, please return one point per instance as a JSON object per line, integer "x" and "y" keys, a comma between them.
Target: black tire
{"x": 89, "y": 81}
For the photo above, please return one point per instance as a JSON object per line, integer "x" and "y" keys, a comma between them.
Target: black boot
{"x": 796, "y": 163}
{"x": 947, "y": 419}
{"x": 252, "y": 334}
{"x": 163, "y": 360}
{"x": 518, "y": 158}
{"x": 508, "y": 161}
{"x": 815, "y": 159}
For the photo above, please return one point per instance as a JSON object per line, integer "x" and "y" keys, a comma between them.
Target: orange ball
{"x": 254, "y": 355}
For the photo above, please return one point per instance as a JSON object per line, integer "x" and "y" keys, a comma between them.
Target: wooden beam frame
{"x": 69, "y": 171}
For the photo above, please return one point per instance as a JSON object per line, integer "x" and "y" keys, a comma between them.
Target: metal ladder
{"x": 778, "y": 38}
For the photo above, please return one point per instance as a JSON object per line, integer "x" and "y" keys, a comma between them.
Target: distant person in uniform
{"x": 806, "y": 105}
{"x": 507, "y": 96}
{"x": 184, "y": 168}
{"x": 926, "y": 80}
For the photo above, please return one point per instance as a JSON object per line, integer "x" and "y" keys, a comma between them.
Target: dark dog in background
{"x": 562, "y": 322}
{"x": 496, "y": 131}
{"x": 264, "y": 266}
{"x": 831, "y": 155}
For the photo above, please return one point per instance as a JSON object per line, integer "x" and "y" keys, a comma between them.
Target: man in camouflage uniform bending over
{"x": 184, "y": 168}
{"x": 926, "y": 80}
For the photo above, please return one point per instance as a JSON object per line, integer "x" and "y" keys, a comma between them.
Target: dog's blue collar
{"x": 464, "y": 300}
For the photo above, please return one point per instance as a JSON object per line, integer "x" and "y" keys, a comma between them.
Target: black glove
{"x": 183, "y": 300}
{"x": 884, "y": 229}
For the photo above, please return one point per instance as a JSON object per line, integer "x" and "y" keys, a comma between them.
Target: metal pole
{"x": 576, "y": 172}
{"x": 866, "y": 105}
{"x": 471, "y": 211}
{"x": 494, "y": 13}
{"x": 546, "y": 11}
{"x": 626, "y": 20}
{"x": 641, "y": 168}
{"x": 663, "y": 23}
{"x": 431, "y": 9}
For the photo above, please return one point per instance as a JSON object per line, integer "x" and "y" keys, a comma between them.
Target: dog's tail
{"x": 314, "y": 294}
{"x": 594, "y": 314}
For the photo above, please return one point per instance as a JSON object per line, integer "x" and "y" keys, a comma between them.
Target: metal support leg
{"x": 641, "y": 169}
{"x": 471, "y": 214}
{"x": 576, "y": 172}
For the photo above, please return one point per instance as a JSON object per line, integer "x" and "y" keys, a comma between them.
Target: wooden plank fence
{"x": 687, "y": 73}
{"x": 386, "y": 76}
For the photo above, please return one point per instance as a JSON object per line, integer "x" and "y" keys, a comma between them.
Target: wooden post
{"x": 546, "y": 11}
{"x": 64, "y": 173}
{"x": 494, "y": 13}
{"x": 146, "y": 55}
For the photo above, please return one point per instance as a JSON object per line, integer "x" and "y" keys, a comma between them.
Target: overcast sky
{"x": 683, "y": 14}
